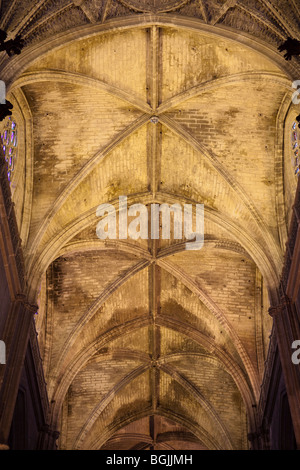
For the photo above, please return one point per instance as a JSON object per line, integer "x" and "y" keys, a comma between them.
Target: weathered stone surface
{"x": 147, "y": 345}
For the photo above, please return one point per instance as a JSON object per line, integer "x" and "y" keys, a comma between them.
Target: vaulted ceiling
{"x": 146, "y": 344}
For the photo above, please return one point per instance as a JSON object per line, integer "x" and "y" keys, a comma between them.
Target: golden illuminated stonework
{"x": 154, "y": 5}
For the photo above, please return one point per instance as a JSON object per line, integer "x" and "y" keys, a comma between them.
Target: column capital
{"x": 252, "y": 436}
{"x": 31, "y": 308}
{"x": 284, "y": 303}
{"x": 55, "y": 435}
{"x": 22, "y": 298}
{"x": 274, "y": 311}
{"x": 46, "y": 428}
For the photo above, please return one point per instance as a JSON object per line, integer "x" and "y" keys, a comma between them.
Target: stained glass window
{"x": 9, "y": 138}
{"x": 295, "y": 148}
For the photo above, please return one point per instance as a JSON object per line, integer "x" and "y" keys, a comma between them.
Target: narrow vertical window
{"x": 9, "y": 137}
{"x": 295, "y": 148}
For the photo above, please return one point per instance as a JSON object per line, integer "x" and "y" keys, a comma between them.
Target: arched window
{"x": 295, "y": 148}
{"x": 10, "y": 145}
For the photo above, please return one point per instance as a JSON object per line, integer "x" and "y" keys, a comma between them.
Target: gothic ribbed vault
{"x": 146, "y": 344}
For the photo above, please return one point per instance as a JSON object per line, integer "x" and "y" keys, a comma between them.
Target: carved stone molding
{"x": 48, "y": 438}
{"x": 29, "y": 307}
{"x": 49, "y": 18}
{"x": 274, "y": 311}
{"x": 155, "y": 6}
{"x": 281, "y": 307}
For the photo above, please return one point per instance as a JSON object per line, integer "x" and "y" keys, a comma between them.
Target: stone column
{"x": 260, "y": 440}
{"x": 15, "y": 336}
{"x": 264, "y": 437}
{"x": 253, "y": 438}
{"x": 48, "y": 438}
{"x": 287, "y": 331}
